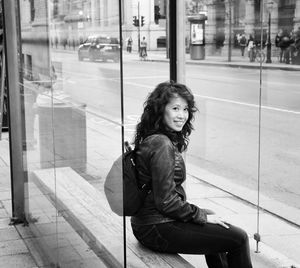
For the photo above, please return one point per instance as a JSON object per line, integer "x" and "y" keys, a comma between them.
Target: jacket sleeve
{"x": 167, "y": 200}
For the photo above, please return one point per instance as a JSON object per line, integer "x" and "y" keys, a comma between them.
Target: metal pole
{"x": 167, "y": 30}
{"x": 15, "y": 114}
{"x": 172, "y": 40}
{"x": 180, "y": 33}
{"x": 139, "y": 29}
{"x": 2, "y": 90}
{"x": 269, "y": 45}
{"x": 230, "y": 29}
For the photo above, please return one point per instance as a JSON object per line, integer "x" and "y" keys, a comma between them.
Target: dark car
{"x": 100, "y": 47}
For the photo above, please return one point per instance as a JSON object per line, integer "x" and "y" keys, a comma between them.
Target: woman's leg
{"x": 281, "y": 54}
{"x": 218, "y": 244}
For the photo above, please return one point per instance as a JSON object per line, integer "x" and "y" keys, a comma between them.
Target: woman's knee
{"x": 241, "y": 237}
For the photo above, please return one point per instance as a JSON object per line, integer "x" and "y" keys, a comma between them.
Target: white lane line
{"x": 139, "y": 85}
{"x": 266, "y": 83}
{"x": 144, "y": 77}
{"x": 247, "y": 104}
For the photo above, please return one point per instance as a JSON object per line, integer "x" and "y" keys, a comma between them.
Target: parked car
{"x": 100, "y": 47}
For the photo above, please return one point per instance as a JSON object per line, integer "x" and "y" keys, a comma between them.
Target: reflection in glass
{"x": 71, "y": 70}
{"x": 247, "y": 138}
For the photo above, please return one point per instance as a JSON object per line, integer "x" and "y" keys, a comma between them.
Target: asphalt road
{"x": 233, "y": 136}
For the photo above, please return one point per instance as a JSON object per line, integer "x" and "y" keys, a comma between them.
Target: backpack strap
{"x": 146, "y": 187}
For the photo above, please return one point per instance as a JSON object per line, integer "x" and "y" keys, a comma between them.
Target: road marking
{"x": 266, "y": 83}
{"x": 247, "y": 104}
{"x": 140, "y": 85}
{"x": 145, "y": 77}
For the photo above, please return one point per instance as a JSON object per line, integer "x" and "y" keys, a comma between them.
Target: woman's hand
{"x": 214, "y": 219}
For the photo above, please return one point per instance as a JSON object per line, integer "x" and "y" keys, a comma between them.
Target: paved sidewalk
{"x": 236, "y": 60}
{"x": 17, "y": 248}
{"x": 14, "y": 240}
{"x": 280, "y": 246}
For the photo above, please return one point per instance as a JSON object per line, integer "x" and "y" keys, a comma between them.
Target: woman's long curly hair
{"x": 152, "y": 119}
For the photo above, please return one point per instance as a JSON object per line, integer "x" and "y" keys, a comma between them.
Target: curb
{"x": 266, "y": 254}
{"x": 213, "y": 63}
{"x": 232, "y": 65}
{"x": 280, "y": 210}
{"x": 272, "y": 257}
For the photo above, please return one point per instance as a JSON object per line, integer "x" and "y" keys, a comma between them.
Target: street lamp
{"x": 269, "y": 6}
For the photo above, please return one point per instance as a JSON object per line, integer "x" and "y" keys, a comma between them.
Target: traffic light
{"x": 135, "y": 21}
{"x": 142, "y": 21}
{"x": 156, "y": 14}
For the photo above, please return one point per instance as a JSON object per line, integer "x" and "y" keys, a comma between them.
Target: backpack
{"x": 243, "y": 41}
{"x": 125, "y": 199}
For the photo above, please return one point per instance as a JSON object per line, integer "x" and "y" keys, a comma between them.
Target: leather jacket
{"x": 158, "y": 159}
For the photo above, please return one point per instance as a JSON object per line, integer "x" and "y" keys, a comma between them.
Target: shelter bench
{"x": 86, "y": 209}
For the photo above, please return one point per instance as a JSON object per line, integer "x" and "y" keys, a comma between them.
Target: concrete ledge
{"x": 267, "y": 255}
{"x": 281, "y": 210}
{"x": 271, "y": 257}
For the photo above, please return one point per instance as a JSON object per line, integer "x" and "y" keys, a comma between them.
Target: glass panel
{"x": 280, "y": 144}
{"x": 71, "y": 69}
{"x": 246, "y": 141}
{"x": 41, "y": 214}
{"x": 223, "y": 150}
{"x": 143, "y": 29}
{"x": 225, "y": 79}
{"x": 141, "y": 73}
{"x": 88, "y": 95}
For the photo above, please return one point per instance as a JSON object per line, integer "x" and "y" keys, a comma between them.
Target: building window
{"x": 32, "y": 10}
{"x": 160, "y": 10}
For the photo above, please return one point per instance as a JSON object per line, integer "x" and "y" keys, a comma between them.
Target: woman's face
{"x": 176, "y": 113}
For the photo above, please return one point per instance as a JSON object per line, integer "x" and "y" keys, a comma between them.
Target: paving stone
{"x": 7, "y": 205}
{"x": 288, "y": 245}
{"x": 195, "y": 190}
{"x": 236, "y": 205}
{"x": 3, "y": 213}
{"x": 2, "y": 162}
{"x": 5, "y": 173}
{"x": 12, "y": 247}
{"x": 17, "y": 261}
{"x": 9, "y": 234}
{"x": 37, "y": 252}
{"x": 4, "y": 223}
{"x": 210, "y": 204}
{"x": 85, "y": 263}
{"x": 270, "y": 225}
{"x": 24, "y": 231}
{"x": 68, "y": 253}
{"x": 248, "y": 222}
{"x": 5, "y": 194}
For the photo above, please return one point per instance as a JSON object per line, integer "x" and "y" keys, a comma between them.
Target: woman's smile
{"x": 176, "y": 113}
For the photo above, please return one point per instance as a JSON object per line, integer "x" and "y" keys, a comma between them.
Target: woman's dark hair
{"x": 154, "y": 108}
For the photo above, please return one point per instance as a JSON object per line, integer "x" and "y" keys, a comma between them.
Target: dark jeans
{"x": 223, "y": 248}
{"x": 143, "y": 52}
{"x": 243, "y": 50}
{"x": 251, "y": 54}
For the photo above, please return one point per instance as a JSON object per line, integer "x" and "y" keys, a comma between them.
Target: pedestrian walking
{"x": 143, "y": 48}
{"x": 167, "y": 222}
{"x": 65, "y": 42}
{"x": 243, "y": 44}
{"x": 282, "y": 40}
{"x": 56, "y": 41}
{"x": 295, "y": 49}
{"x": 220, "y": 39}
{"x": 129, "y": 44}
{"x": 251, "y": 47}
